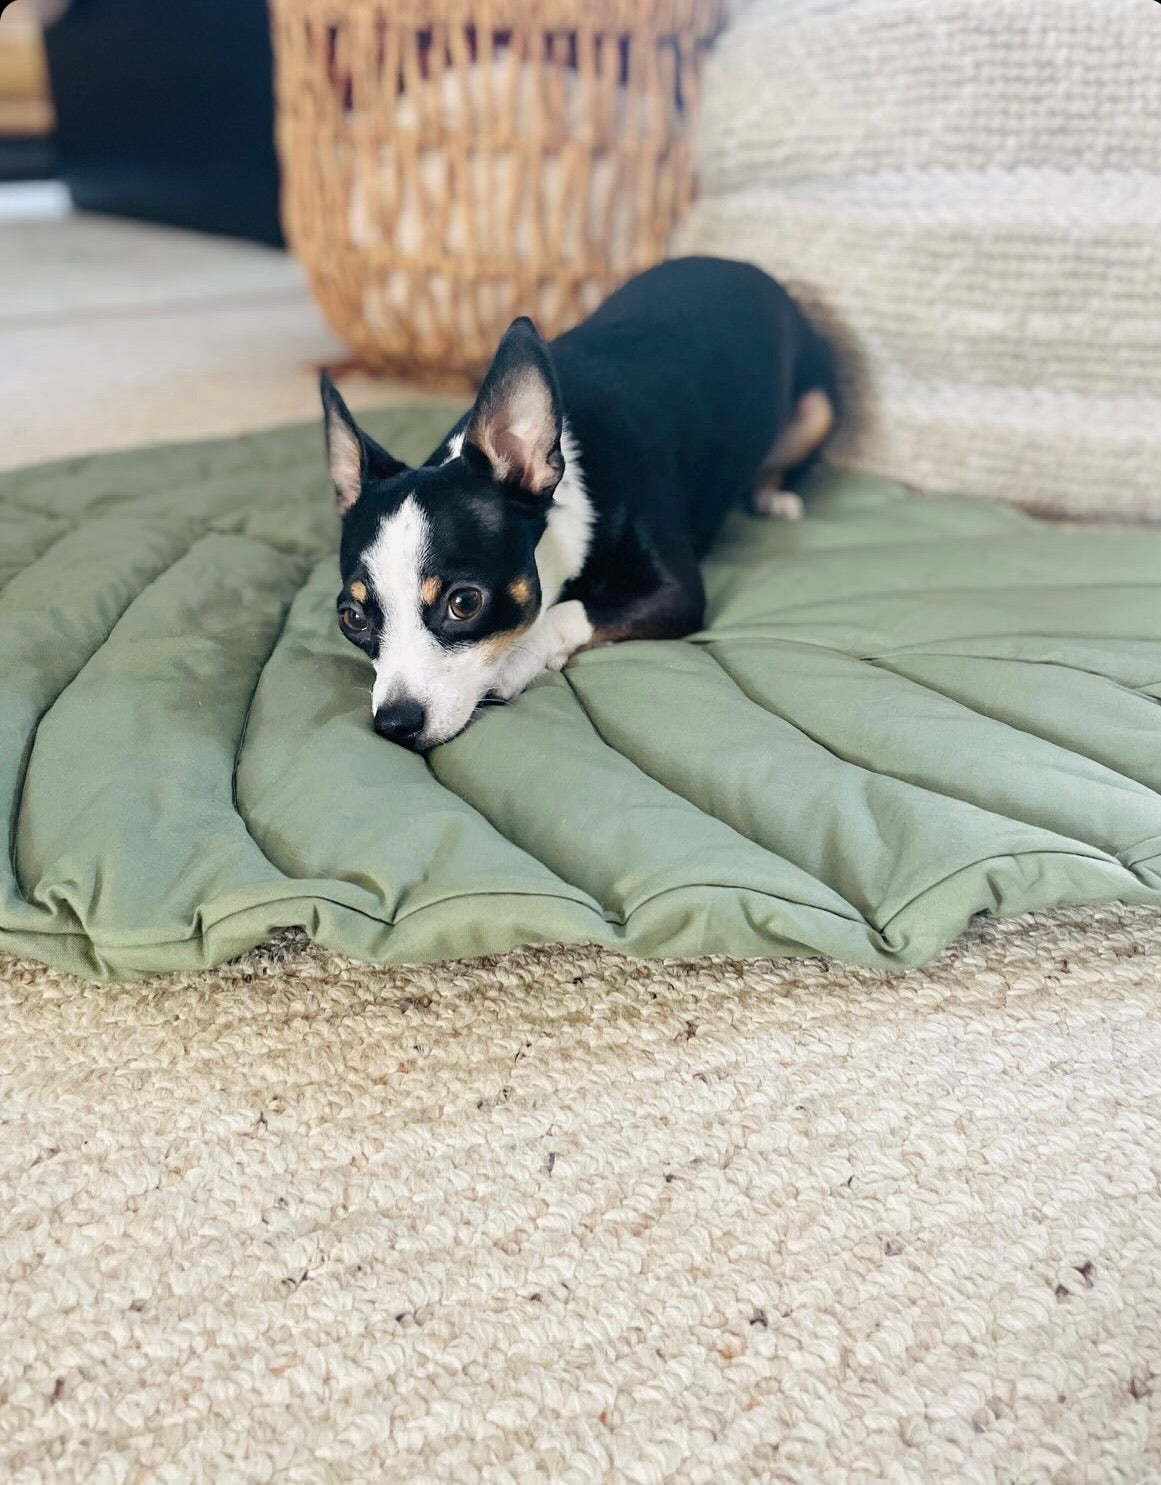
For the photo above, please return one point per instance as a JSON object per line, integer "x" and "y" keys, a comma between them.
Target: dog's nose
{"x": 400, "y": 721}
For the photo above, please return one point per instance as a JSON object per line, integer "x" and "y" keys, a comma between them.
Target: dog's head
{"x": 438, "y": 563}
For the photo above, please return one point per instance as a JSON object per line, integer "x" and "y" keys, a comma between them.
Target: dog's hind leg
{"x": 802, "y": 438}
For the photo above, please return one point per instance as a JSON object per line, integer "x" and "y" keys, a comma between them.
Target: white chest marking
{"x": 561, "y": 551}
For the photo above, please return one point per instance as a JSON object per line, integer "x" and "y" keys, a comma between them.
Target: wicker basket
{"x": 448, "y": 165}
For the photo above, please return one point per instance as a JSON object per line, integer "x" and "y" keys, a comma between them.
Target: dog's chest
{"x": 561, "y": 551}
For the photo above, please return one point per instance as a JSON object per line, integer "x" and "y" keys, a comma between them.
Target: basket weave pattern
{"x": 448, "y": 165}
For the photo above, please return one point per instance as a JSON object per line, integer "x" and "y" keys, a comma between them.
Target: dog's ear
{"x": 516, "y": 422}
{"x": 352, "y": 455}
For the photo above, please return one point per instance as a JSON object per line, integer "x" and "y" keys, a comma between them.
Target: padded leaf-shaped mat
{"x": 902, "y": 712}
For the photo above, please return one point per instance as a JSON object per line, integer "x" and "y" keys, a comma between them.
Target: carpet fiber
{"x": 564, "y": 1217}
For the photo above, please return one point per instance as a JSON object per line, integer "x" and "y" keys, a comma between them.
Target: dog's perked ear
{"x": 352, "y": 455}
{"x": 516, "y": 422}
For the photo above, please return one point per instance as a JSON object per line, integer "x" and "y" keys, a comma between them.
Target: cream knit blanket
{"x": 969, "y": 193}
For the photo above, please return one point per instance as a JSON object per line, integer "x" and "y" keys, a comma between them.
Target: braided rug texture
{"x": 564, "y": 1217}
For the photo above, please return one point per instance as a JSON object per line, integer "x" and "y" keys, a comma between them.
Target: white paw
{"x": 779, "y": 505}
{"x": 567, "y": 629}
{"x": 518, "y": 669}
{"x": 558, "y": 633}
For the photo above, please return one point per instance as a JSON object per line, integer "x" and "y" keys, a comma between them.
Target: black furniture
{"x": 165, "y": 111}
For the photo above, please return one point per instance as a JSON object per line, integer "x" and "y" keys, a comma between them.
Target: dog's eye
{"x": 465, "y": 603}
{"x": 353, "y": 619}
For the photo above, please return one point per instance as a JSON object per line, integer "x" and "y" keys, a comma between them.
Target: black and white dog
{"x": 569, "y": 506}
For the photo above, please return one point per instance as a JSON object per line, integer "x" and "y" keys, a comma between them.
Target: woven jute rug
{"x": 567, "y": 1217}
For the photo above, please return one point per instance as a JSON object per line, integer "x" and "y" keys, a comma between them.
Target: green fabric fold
{"x": 902, "y": 712}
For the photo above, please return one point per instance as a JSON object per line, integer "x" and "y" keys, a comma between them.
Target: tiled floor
{"x": 116, "y": 333}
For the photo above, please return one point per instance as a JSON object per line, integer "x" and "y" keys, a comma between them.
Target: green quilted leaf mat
{"x": 902, "y": 712}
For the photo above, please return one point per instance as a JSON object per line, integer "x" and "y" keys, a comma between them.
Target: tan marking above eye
{"x": 358, "y": 592}
{"x": 429, "y": 589}
{"x": 521, "y": 591}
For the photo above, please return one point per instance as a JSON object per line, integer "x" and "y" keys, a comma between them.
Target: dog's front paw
{"x": 567, "y": 631}
{"x": 559, "y": 632}
{"x": 518, "y": 669}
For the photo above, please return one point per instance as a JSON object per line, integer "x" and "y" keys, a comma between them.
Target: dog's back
{"x": 692, "y": 370}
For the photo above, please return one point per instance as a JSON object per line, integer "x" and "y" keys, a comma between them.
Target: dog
{"x": 570, "y": 505}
